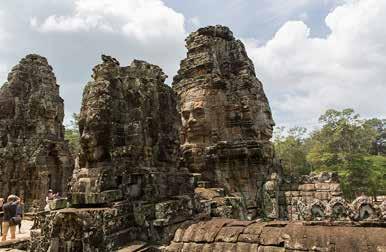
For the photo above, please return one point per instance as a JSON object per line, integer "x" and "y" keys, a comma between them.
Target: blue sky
{"x": 257, "y": 19}
{"x": 311, "y": 55}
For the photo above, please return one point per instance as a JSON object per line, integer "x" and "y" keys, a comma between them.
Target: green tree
{"x": 292, "y": 148}
{"x": 379, "y": 145}
{"x": 377, "y": 178}
{"x": 344, "y": 144}
{"x": 71, "y": 134}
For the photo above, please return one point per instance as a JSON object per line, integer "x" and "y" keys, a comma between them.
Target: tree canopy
{"x": 346, "y": 143}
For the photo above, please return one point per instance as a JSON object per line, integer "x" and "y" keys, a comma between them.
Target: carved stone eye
{"x": 186, "y": 114}
{"x": 198, "y": 112}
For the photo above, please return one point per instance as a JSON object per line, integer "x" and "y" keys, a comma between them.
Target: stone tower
{"x": 34, "y": 156}
{"x": 129, "y": 135}
{"x": 226, "y": 119}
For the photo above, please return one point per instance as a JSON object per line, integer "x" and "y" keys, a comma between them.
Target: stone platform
{"x": 279, "y": 236}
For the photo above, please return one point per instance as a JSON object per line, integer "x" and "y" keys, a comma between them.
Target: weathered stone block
{"x": 323, "y": 186}
{"x": 213, "y": 227}
{"x": 95, "y": 198}
{"x": 249, "y": 238}
{"x": 255, "y": 228}
{"x": 307, "y": 187}
{"x": 271, "y": 236}
{"x": 208, "y": 247}
{"x": 174, "y": 211}
{"x": 57, "y": 204}
{"x": 335, "y": 188}
{"x": 208, "y": 193}
{"x": 222, "y": 246}
{"x": 323, "y": 196}
{"x": 270, "y": 249}
{"x": 241, "y": 247}
{"x": 229, "y": 234}
{"x": 144, "y": 212}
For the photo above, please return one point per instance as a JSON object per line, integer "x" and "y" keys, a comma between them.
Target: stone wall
{"x": 233, "y": 235}
{"x": 314, "y": 190}
{"x": 108, "y": 228}
{"x": 34, "y": 156}
{"x": 318, "y": 197}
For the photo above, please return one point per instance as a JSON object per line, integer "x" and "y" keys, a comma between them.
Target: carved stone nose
{"x": 192, "y": 120}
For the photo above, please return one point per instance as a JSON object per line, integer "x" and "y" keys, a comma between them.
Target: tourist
{"x": 20, "y": 213}
{"x": 9, "y": 218}
{"x": 50, "y": 197}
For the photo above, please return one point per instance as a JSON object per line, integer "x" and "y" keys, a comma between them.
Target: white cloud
{"x": 143, "y": 20}
{"x": 306, "y": 75}
{"x": 67, "y": 24}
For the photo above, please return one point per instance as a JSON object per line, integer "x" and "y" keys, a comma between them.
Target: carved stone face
{"x": 90, "y": 147}
{"x": 210, "y": 115}
{"x": 265, "y": 123}
{"x": 193, "y": 119}
{"x": 194, "y": 116}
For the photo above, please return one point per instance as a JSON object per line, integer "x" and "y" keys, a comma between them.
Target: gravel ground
{"x": 25, "y": 230}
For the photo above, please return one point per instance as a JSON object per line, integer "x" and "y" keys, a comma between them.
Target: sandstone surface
{"x": 276, "y": 236}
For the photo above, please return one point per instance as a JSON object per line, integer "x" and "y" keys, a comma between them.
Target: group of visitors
{"x": 13, "y": 211}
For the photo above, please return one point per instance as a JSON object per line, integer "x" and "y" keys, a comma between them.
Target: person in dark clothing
{"x": 10, "y": 209}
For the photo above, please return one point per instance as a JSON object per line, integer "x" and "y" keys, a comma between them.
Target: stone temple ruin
{"x": 182, "y": 168}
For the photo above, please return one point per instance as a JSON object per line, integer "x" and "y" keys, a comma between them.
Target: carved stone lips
{"x": 196, "y": 129}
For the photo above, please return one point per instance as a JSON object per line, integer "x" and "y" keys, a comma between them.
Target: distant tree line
{"x": 346, "y": 143}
